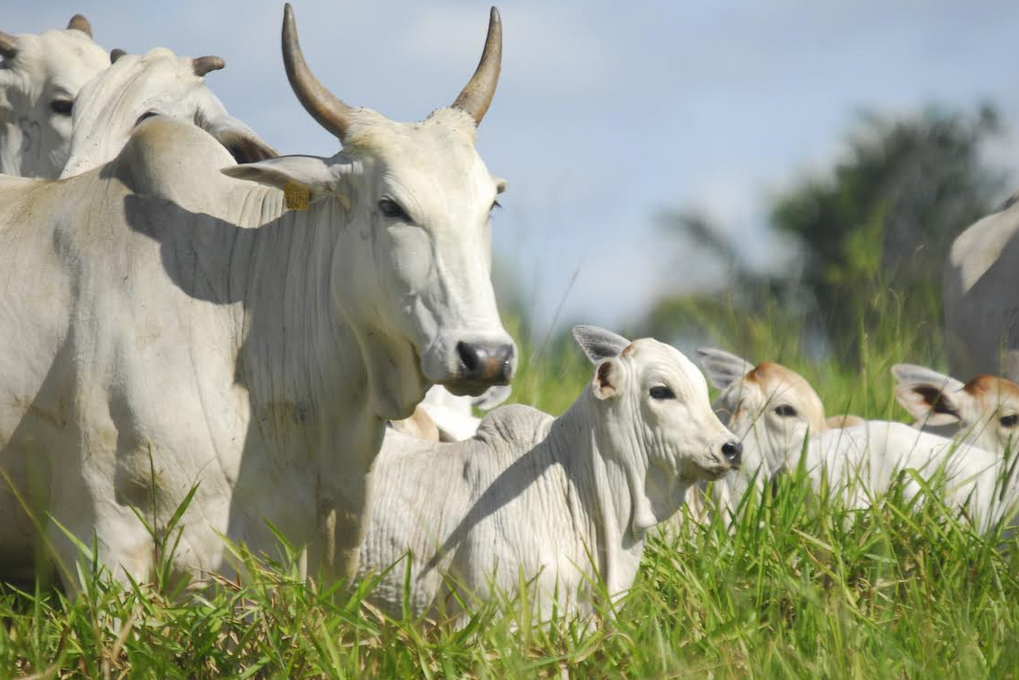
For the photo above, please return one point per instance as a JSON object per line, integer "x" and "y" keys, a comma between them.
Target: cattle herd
{"x": 294, "y": 345}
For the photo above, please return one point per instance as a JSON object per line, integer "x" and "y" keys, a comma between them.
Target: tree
{"x": 882, "y": 221}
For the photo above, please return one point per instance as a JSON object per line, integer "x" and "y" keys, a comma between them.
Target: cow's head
{"x": 985, "y": 410}
{"x": 159, "y": 83}
{"x": 770, "y": 407}
{"x": 39, "y": 79}
{"x": 651, "y": 404}
{"x": 412, "y": 201}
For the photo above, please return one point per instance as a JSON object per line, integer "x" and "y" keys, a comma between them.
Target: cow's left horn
{"x": 203, "y": 65}
{"x": 330, "y": 111}
{"x": 8, "y": 45}
{"x": 80, "y": 23}
{"x": 115, "y": 54}
{"x": 478, "y": 93}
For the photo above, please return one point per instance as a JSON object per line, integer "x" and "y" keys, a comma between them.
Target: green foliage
{"x": 885, "y": 216}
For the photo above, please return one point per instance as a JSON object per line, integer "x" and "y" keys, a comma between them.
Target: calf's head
{"x": 651, "y": 405}
{"x": 770, "y": 407}
{"x": 39, "y": 79}
{"x": 412, "y": 203}
{"x": 985, "y": 410}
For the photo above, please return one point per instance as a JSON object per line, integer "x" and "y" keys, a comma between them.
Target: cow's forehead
{"x": 67, "y": 55}
{"x": 774, "y": 378}
{"x": 648, "y": 353}
{"x": 447, "y": 135}
{"x": 992, "y": 387}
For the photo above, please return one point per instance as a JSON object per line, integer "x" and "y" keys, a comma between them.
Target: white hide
{"x": 861, "y": 463}
{"x": 38, "y": 87}
{"x": 979, "y": 291}
{"x": 983, "y": 412}
{"x": 159, "y": 83}
{"x": 563, "y": 501}
{"x": 164, "y": 325}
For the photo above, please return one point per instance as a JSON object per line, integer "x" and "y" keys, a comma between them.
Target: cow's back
{"x": 981, "y": 297}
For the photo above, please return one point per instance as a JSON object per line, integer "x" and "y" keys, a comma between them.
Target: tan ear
{"x": 606, "y": 378}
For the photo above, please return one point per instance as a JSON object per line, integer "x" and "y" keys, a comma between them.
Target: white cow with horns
{"x": 39, "y": 79}
{"x": 169, "y": 326}
{"x": 563, "y": 500}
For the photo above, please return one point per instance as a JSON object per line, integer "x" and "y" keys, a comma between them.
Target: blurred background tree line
{"x": 865, "y": 239}
{"x": 872, "y": 234}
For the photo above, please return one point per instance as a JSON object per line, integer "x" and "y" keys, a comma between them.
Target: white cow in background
{"x": 776, "y": 418}
{"x": 980, "y": 291}
{"x": 984, "y": 411}
{"x": 167, "y": 327}
{"x": 446, "y": 417}
{"x": 771, "y": 408}
{"x": 39, "y": 80}
{"x": 564, "y": 501}
{"x": 136, "y": 87}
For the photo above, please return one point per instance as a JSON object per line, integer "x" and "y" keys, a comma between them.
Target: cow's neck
{"x": 604, "y": 502}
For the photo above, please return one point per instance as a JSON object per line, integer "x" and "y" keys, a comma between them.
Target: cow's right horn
{"x": 330, "y": 112}
{"x": 203, "y": 65}
{"x": 80, "y": 23}
{"x": 8, "y": 45}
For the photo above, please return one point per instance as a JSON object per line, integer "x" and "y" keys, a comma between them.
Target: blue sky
{"x": 605, "y": 114}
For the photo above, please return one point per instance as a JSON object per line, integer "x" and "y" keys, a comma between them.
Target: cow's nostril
{"x": 468, "y": 357}
{"x": 732, "y": 451}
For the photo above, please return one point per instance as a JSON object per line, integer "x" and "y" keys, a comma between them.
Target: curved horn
{"x": 203, "y": 65}
{"x": 330, "y": 112}
{"x": 80, "y": 23}
{"x": 115, "y": 54}
{"x": 8, "y": 45}
{"x": 477, "y": 95}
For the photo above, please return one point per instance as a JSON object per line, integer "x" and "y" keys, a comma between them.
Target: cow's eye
{"x": 1009, "y": 421}
{"x": 62, "y": 106}
{"x": 785, "y": 410}
{"x": 661, "y": 392}
{"x": 391, "y": 208}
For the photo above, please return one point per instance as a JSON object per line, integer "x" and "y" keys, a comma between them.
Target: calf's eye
{"x": 661, "y": 392}
{"x": 1009, "y": 421}
{"x": 391, "y": 208}
{"x": 62, "y": 106}
{"x": 785, "y": 410}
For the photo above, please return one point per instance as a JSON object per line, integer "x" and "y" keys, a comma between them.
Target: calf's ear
{"x": 606, "y": 379}
{"x": 721, "y": 368}
{"x": 912, "y": 373}
{"x": 929, "y": 404}
{"x": 599, "y": 343}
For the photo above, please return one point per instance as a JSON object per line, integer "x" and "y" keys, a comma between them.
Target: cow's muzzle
{"x": 481, "y": 365}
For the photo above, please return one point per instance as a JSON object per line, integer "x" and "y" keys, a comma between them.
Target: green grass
{"x": 800, "y": 588}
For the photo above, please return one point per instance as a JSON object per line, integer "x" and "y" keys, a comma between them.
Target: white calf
{"x": 561, "y": 501}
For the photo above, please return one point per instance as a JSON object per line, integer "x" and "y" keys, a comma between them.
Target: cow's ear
{"x": 912, "y": 373}
{"x": 929, "y": 404}
{"x": 606, "y": 379}
{"x": 599, "y": 343}
{"x": 316, "y": 175}
{"x": 721, "y": 368}
{"x": 240, "y": 140}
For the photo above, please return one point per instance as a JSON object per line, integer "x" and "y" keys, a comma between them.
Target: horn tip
{"x": 494, "y": 15}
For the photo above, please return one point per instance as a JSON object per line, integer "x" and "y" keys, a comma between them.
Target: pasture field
{"x": 801, "y": 588}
